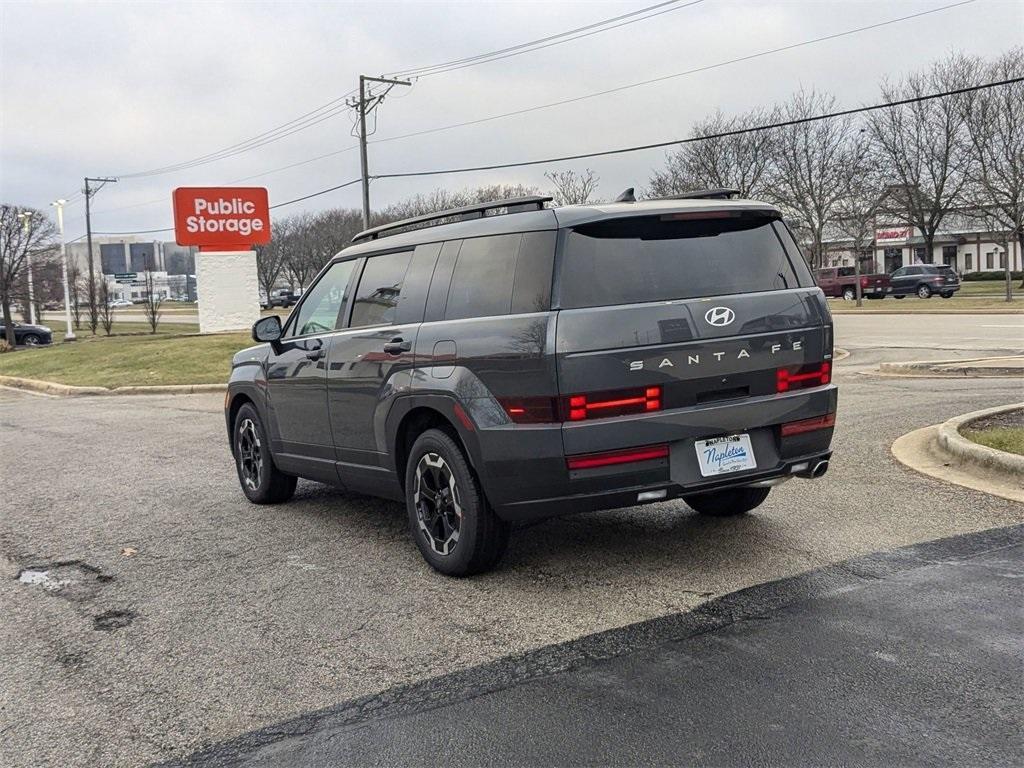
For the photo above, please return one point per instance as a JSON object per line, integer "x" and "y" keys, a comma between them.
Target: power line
{"x": 641, "y": 147}
{"x": 663, "y": 78}
{"x": 692, "y": 139}
{"x": 336, "y": 106}
{"x": 546, "y": 42}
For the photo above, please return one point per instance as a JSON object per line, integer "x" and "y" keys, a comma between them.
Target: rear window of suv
{"x": 675, "y": 256}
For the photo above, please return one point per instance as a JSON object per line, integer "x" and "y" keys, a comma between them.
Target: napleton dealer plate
{"x": 722, "y": 455}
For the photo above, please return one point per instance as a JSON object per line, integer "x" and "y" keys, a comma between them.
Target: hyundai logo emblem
{"x": 719, "y": 316}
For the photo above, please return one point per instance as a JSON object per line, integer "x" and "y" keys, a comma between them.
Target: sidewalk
{"x": 906, "y": 657}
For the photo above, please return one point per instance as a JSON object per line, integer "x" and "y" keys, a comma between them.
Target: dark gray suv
{"x": 508, "y": 362}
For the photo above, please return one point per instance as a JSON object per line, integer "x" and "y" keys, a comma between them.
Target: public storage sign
{"x": 221, "y": 218}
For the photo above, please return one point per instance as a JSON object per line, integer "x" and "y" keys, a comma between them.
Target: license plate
{"x": 722, "y": 455}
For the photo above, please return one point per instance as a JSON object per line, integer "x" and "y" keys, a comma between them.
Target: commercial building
{"x": 172, "y": 266}
{"x": 965, "y": 243}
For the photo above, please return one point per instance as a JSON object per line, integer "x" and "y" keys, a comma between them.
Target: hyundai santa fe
{"x": 506, "y": 362}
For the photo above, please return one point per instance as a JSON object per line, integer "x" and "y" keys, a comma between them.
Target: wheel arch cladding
{"x": 237, "y": 401}
{"x": 415, "y": 422}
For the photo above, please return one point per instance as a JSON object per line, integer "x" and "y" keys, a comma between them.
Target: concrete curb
{"x": 838, "y": 353}
{"x": 954, "y": 368}
{"x": 969, "y": 452}
{"x": 67, "y": 390}
{"x": 837, "y": 311}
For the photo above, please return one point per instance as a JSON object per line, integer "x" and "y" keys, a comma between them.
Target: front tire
{"x": 31, "y": 340}
{"x": 262, "y": 482}
{"x": 454, "y": 527}
{"x": 924, "y": 292}
{"x": 727, "y": 503}
{"x": 899, "y": 296}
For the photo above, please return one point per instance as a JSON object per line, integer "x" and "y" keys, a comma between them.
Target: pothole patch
{"x": 71, "y": 579}
{"x": 108, "y": 621}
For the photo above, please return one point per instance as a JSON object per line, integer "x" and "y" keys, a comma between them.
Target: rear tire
{"x": 261, "y": 481}
{"x": 727, "y": 503}
{"x": 947, "y": 294}
{"x": 849, "y": 294}
{"x": 454, "y": 527}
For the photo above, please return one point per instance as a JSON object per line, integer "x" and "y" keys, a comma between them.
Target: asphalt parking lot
{"x": 190, "y": 617}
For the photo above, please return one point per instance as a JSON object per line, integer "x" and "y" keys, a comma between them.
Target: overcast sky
{"x": 114, "y": 88}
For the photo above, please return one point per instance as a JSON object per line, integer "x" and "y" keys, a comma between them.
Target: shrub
{"x": 995, "y": 274}
{"x": 5, "y": 347}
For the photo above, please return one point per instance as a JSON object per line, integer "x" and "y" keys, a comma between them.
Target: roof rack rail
{"x": 475, "y": 211}
{"x": 721, "y": 193}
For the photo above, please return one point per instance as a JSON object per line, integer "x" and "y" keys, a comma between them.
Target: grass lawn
{"x": 165, "y": 358}
{"x": 988, "y": 288}
{"x": 1009, "y": 439}
{"x": 933, "y": 304}
{"x": 133, "y": 328}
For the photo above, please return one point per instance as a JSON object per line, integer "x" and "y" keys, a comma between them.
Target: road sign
{"x": 221, "y": 218}
{"x": 126, "y": 277}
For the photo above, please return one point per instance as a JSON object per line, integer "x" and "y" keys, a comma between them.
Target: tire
{"x": 924, "y": 292}
{"x": 261, "y": 481}
{"x": 454, "y": 527}
{"x": 727, "y": 503}
{"x": 899, "y": 296}
{"x": 31, "y": 340}
{"x": 849, "y": 294}
{"x": 946, "y": 294}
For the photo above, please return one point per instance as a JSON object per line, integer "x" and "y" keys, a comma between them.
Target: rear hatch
{"x": 667, "y": 318}
{"x": 949, "y": 277}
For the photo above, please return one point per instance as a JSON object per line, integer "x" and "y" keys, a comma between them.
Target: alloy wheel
{"x": 250, "y": 459}
{"x": 437, "y": 502}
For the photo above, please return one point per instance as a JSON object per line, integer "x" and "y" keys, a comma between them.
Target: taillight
{"x": 809, "y": 425}
{"x": 608, "y": 458}
{"x": 816, "y": 375}
{"x": 864, "y": 282}
{"x": 621, "y": 402}
{"x": 530, "y": 410}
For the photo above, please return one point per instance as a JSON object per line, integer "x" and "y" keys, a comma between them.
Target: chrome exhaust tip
{"x": 819, "y": 470}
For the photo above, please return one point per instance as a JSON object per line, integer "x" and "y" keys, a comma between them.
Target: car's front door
{"x": 900, "y": 281}
{"x": 297, "y": 378}
{"x": 368, "y": 359}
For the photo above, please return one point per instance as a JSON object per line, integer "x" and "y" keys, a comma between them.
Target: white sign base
{"x": 228, "y": 290}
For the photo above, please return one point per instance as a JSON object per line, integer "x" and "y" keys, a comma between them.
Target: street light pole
{"x": 26, "y": 218}
{"x": 69, "y": 334}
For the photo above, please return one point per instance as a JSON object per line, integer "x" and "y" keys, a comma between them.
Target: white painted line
{"x": 1020, "y": 327}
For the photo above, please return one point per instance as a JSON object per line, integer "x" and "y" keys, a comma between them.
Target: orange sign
{"x": 901, "y": 233}
{"x": 221, "y": 218}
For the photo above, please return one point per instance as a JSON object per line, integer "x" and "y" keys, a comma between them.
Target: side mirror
{"x": 267, "y": 329}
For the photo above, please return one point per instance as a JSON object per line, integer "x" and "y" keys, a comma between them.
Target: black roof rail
{"x": 721, "y": 193}
{"x": 474, "y": 211}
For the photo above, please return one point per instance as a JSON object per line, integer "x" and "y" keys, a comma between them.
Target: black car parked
{"x": 29, "y": 335}
{"x": 507, "y": 368}
{"x": 924, "y": 280}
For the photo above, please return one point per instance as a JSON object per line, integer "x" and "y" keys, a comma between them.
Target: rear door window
{"x": 674, "y": 256}
{"x": 380, "y": 288}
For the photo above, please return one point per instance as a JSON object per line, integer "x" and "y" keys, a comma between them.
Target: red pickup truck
{"x": 842, "y": 281}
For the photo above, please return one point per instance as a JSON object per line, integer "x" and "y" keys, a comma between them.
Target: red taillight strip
{"x": 580, "y": 406}
{"x": 816, "y": 376}
{"x": 809, "y": 425}
{"x": 628, "y": 456}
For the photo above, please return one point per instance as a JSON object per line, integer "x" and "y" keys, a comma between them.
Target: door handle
{"x": 397, "y": 346}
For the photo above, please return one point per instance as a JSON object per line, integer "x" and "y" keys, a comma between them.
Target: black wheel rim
{"x": 250, "y": 459}
{"x": 438, "y": 506}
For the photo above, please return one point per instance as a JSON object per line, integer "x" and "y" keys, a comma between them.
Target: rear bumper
{"x": 525, "y": 476}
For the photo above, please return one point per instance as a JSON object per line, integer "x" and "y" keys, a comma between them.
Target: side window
{"x": 380, "y": 288}
{"x": 482, "y": 282}
{"x": 417, "y": 281}
{"x": 441, "y": 279}
{"x": 323, "y": 305}
{"x": 900, "y": 272}
{"x": 534, "y": 267}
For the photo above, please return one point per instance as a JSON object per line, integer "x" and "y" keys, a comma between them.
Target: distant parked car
{"x": 28, "y": 335}
{"x": 842, "y": 282}
{"x": 924, "y": 280}
{"x": 280, "y": 297}
{"x": 119, "y": 303}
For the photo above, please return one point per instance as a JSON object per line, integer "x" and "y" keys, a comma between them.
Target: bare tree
{"x": 270, "y": 258}
{"x": 813, "y": 165}
{"x": 923, "y": 147}
{"x": 572, "y": 188}
{"x": 152, "y": 301}
{"x": 442, "y": 199}
{"x": 994, "y": 119}
{"x": 75, "y": 292}
{"x": 17, "y": 241}
{"x": 856, "y": 213}
{"x": 742, "y": 161}
{"x": 105, "y": 311}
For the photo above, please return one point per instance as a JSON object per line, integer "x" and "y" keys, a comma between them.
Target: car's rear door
{"x": 682, "y": 314}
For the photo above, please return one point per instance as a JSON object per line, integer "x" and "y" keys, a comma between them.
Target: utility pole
{"x": 364, "y": 105}
{"x": 93, "y": 314}
{"x": 69, "y": 334}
